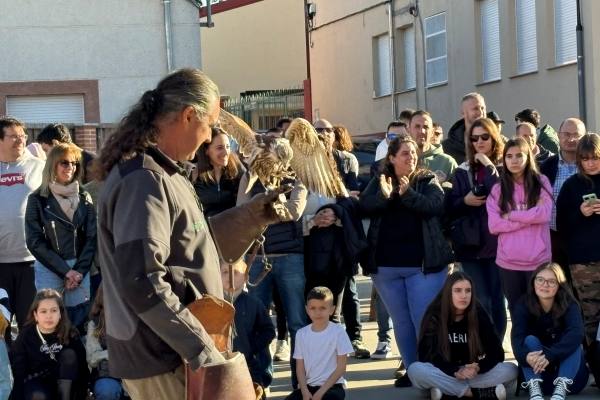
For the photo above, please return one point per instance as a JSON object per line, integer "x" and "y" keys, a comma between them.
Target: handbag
{"x": 225, "y": 381}
{"x": 466, "y": 231}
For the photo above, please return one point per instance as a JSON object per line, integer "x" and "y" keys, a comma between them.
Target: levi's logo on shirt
{"x": 16, "y": 178}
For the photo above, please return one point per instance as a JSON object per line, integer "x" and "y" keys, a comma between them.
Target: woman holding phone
{"x": 578, "y": 221}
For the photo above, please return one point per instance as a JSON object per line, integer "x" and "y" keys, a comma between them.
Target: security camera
{"x": 311, "y": 10}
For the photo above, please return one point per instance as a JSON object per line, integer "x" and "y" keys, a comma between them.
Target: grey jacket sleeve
{"x": 142, "y": 230}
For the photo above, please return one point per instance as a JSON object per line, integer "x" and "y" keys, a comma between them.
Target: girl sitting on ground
{"x": 48, "y": 358}
{"x": 547, "y": 332}
{"x": 459, "y": 352}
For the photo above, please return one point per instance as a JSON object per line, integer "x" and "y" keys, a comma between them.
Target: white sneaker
{"x": 435, "y": 393}
{"x": 382, "y": 352}
{"x": 282, "y": 351}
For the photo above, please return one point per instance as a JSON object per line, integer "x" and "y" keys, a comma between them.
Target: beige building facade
{"x": 256, "y": 47}
{"x": 517, "y": 53}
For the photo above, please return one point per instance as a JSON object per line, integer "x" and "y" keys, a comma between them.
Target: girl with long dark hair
{"x": 218, "y": 175}
{"x": 547, "y": 331}
{"x": 578, "y": 220}
{"x": 48, "y": 358}
{"x": 408, "y": 255}
{"x": 474, "y": 245}
{"x": 519, "y": 210}
{"x": 459, "y": 353}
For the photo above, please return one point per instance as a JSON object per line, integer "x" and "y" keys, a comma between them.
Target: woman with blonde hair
{"x": 60, "y": 230}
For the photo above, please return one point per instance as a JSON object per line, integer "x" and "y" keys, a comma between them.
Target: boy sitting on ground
{"x": 321, "y": 351}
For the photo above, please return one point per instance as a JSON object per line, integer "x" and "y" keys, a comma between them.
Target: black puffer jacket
{"x": 336, "y": 250}
{"x": 426, "y": 198}
{"x": 218, "y": 196}
{"x": 454, "y": 144}
{"x": 52, "y": 238}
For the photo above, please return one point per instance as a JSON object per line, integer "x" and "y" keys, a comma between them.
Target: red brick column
{"x": 85, "y": 137}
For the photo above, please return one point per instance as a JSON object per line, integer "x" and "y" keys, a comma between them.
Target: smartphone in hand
{"x": 590, "y": 198}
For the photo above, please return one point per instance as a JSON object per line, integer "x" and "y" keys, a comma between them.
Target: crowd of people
{"x": 457, "y": 229}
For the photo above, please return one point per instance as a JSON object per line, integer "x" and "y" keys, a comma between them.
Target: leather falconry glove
{"x": 236, "y": 229}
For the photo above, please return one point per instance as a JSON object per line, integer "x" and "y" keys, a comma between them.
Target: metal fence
{"x": 261, "y": 110}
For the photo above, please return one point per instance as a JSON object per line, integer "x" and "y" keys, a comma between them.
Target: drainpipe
{"x": 168, "y": 33}
{"x": 392, "y": 57}
{"x": 581, "y": 67}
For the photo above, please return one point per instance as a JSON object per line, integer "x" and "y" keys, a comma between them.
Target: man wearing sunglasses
{"x": 20, "y": 174}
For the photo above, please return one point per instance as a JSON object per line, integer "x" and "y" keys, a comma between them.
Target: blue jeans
{"x": 572, "y": 367}
{"x": 108, "y": 389}
{"x": 406, "y": 293}
{"x": 46, "y": 279}
{"x": 288, "y": 276}
{"x": 384, "y": 322}
{"x": 488, "y": 289}
{"x": 6, "y": 378}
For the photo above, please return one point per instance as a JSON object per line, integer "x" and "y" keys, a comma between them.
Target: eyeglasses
{"x": 391, "y": 136}
{"x": 552, "y": 283}
{"x": 475, "y": 138}
{"x": 324, "y": 130}
{"x": 571, "y": 135}
{"x": 66, "y": 164}
{"x": 14, "y": 138}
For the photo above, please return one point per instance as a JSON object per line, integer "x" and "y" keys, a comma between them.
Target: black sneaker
{"x": 360, "y": 350}
{"x": 400, "y": 371}
{"x": 497, "y": 392}
{"x": 403, "y": 382}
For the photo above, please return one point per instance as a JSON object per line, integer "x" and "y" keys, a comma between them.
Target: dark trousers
{"x": 19, "y": 282}
{"x": 282, "y": 331}
{"x": 351, "y": 310}
{"x": 336, "y": 392}
{"x": 559, "y": 254}
{"x": 514, "y": 285}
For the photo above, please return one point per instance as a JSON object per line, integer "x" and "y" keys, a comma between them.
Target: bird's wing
{"x": 240, "y": 131}
{"x": 311, "y": 162}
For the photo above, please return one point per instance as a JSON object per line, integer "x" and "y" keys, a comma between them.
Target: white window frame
{"x": 565, "y": 37}
{"x": 491, "y": 67}
{"x": 382, "y": 83}
{"x": 429, "y": 61}
{"x": 410, "y": 58}
{"x": 526, "y": 35}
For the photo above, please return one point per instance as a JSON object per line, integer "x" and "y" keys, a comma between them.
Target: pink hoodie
{"x": 524, "y": 236}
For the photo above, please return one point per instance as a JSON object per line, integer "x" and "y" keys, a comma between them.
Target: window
{"x": 436, "y": 59}
{"x": 565, "y": 39}
{"x": 381, "y": 57}
{"x": 45, "y": 109}
{"x": 490, "y": 40}
{"x": 408, "y": 49}
{"x": 526, "y": 36}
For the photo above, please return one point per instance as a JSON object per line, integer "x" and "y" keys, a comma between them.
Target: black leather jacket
{"x": 53, "y": 239}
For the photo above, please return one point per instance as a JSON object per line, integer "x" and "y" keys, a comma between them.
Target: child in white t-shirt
{"x": 321, "y": 351}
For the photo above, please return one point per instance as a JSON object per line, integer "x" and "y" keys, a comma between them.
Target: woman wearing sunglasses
{"x": 547, "y": 331}
{"x": 60, "y": 229}
{"x": 474, "y": 245}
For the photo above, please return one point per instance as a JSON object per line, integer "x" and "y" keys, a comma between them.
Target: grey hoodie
{"x": 17, "y": 180}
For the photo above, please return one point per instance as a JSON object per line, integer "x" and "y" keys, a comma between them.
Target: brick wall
{"x": 85, "y": 137}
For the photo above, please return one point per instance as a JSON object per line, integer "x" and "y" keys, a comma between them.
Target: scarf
{"x": 67, "y": 196}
